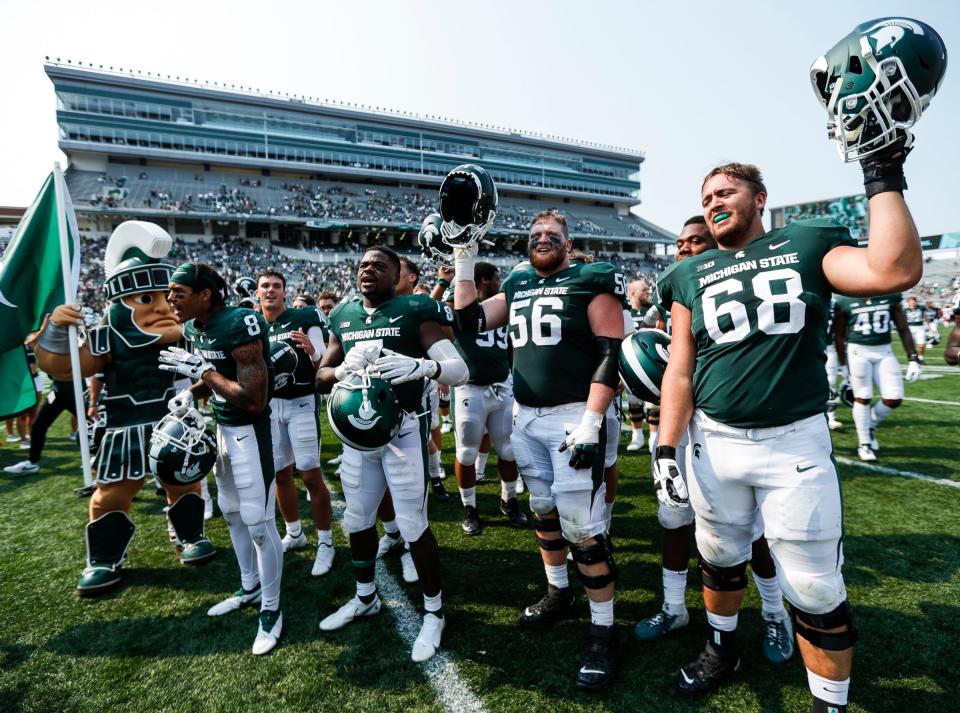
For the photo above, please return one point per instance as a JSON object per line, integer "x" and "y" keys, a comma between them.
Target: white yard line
{"x": 441, "y": 671}
{"x": 931, "y": 401}
{"x": 894, "y": 471}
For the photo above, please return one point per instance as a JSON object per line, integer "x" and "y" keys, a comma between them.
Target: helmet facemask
{"x": 190, "y": 440}
{"x": 464, "y": 210}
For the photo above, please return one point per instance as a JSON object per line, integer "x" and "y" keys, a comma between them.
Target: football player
{"x": 485, "y": 404}
{"x": 638, "y": 293}
{"x": 746, "y": 366}
{"x": 933, "y": 324}
{"x": 677, "y": 524}
{"x": 229, "y": 363}
{"x": 833, "y": 368}
{"x": 566, "y": 325}
{"x": 862, "y": 325}
{"x": 916, "y": 317}
{"x": 293, "y": 418}
{"x": 952, "y": 353}
{"x": 400, "y": 339}
{"x": 326, "y": 301}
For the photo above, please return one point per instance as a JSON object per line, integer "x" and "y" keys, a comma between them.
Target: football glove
{"x": 357, "y": 359}
{"x": 182, "y": 362}
{"x": 914, "y": 367}
{"x": 883, "y": 171}
{"x": 668, "y": 482}
{"x": 585, "y": 440}
{"x": 399, "y": 368}
{"x": 181, "y": 403}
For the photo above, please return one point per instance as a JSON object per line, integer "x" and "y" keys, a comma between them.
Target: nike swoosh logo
{"x": 561, "y": 279}
{"x": 394, "y": 319}
{"x": 302, "y": 404}
{"x": 590, "y": 670}
{"x": 685, "y": 676}
{"x": 211, "y": 341}
{"x": 774, "y": 246}
{"x": 803, "y": 470}
{"x": 284, "y": 326}
{"x": 240, "y": 438}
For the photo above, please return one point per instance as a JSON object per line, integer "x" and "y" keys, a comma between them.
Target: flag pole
{"x": 70, "y": 297}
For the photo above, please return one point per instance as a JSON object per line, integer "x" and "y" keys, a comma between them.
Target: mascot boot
{"x": 108, "y": 538}
{"x": 186, "y": 530}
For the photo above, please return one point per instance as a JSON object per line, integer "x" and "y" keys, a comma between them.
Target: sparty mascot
{"x": 125, "y": 347}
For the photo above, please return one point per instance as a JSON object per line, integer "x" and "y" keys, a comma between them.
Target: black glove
{"x": 883, "y": 171}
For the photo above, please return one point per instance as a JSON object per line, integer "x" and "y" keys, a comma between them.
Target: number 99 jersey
{"x": 229, "y": 328}
{"x": 760, "y": 323}
{"x": 553, "y": 345}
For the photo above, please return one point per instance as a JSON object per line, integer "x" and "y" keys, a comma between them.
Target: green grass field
{"x": 151, "y": 647}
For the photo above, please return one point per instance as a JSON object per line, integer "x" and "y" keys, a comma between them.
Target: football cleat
{"x": 511, "y": 508}
{"x": 294, "y": 542}
{"x": 446, "y": 427}
{"x": 238, "y": 600}
{"x": 599, "y": 663}
{"x": 471, "y": 524}
{"x": 555, "y": 605}
{"x": 13, "y": 438}
{"x": 350, "y": 611}
{"x": 408, "y": 568}
{"x": 25, "y": 445}
{"x": 268, "y": 632}
{"x": 778, "y": 639}
{"x": 323, "y": 561}
{"x": 439, "y": 492}
{"x": 389, "y": 546}
{"x": 832, "y": 423}
{"x": 705, "y": 673}
{"x": 660, "y": 624}
{"x": 24, "y": 467}
{"x": 636, "y": 444}
{"x": 428, "y": 640}
{"x": 866, "y": 453}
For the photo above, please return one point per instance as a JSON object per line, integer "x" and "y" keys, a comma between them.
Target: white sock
{"x": 880, "y": 412}
{"x": 608, "y": 514}
{"x": 557, "y": 575}
{"x": 365, "y": 589}
{"x": 508, "y": 490}
{"x": 294, "y": 529}
{"x": 481, "y": 464}
{"x": 637, "y": 434}
{"x": 674, "y": 587}
{"x": 270, "y": 565}
{"x": 468, "y": 496}
{"x": 862, "y": 420}
{"x": 834, "y": 692}
{"x": 243, "y": 548}
{"x": 771, "y": 596}
{"x": 433, "y": 604}
{"x": 204, "y": 490}
{"x": 601, "y": 613}
{"x": 390, "y": 527}
{"x": 324, "y": 537}
{"x": 435, "y": 465}
{"x": 722, "y": 623}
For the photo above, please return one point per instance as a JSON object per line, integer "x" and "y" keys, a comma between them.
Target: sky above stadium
{"x": 690, "y": 83}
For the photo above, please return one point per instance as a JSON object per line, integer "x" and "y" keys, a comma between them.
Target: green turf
{"x": 150, "y": 646}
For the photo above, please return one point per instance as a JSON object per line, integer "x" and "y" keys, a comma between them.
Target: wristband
{"x": 443, "y": 283}
{"x": 55, "y": 339}
{"x": 665, "y": 452}
{"x": 315, "y": 357}
{"x": 463, "y": 268}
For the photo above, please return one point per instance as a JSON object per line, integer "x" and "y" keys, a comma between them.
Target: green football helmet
{"x": 182, "y": 451}
{"x": 468, "y": 205}
{"x": 363, "y": 411}
{"x": 877, "y": 81}
{"x": 643, "y": 359}
{"x": 431, "y": 246}
{"x": 284, "y": 360}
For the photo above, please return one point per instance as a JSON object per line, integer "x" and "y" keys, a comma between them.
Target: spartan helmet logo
{"x": 889, "y": 32}
{"x": 663, "y": 351}
{"x": 364, "y": 420}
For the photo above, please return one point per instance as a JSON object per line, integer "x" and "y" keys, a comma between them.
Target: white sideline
{"x": 441, "y": 671}
{"x": 894, "y": 471}
{"x": 931, "y": 401}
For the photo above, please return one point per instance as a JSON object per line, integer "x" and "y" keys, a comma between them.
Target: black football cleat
{"x": 439, "y": 492}
{"x": 511, "y": 508}
{"x": 471, "y": 521}
{"x": 599, "y": 663}
{"x": 705, "y": 673}
{"x": 555, "y": 605}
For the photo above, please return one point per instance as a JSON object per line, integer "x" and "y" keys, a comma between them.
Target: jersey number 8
{"x": 253, "y": 326}
{"x": 766, "y": 314}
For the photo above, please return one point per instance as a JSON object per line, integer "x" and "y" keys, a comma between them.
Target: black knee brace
{"x": 444, "y": 402}
{"x": 723, "y": 579}
{"x": 600, "y": 551}
{"x": 548, "y": 524}
{"x": 836, "y": 641}
{"x": 653, "y": 415}
{"x": 637, "y": 413}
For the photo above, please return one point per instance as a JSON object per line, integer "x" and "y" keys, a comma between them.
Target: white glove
{"x": 914, "y": 368}
{"x": 181, "y": 403}
{"x": 399, "y": 369}
{"x": 184, "y": 363}
{"x": 668, "y": 482}
{"x": 585, "y": 439}
{"x": 464, "y": 260}
{"x": 357, "y": 359}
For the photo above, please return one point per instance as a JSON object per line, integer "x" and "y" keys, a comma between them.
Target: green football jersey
{"x": 229, "y": 328}
{"x": 759, "y": 323}
{"x": 291, "y": 320}
{"x": 554, "y": 355}
{"x": 485, "y": 354}
{"x": 914, "y": 316}
{"x": 869, "y": 319}
{"x": 395, "y": 325}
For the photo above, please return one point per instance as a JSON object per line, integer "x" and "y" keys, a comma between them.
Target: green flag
{"x": 31, "y": 285}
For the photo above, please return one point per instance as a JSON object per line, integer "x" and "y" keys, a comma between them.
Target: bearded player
{"x": 124, "y": 347}
{"x": 566, "y": 325}
{"x": 400, "y": 339}
{"x": 293, "y": 418}
{"x": 861, "y": 328}
{"x": 229, "y": 363}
